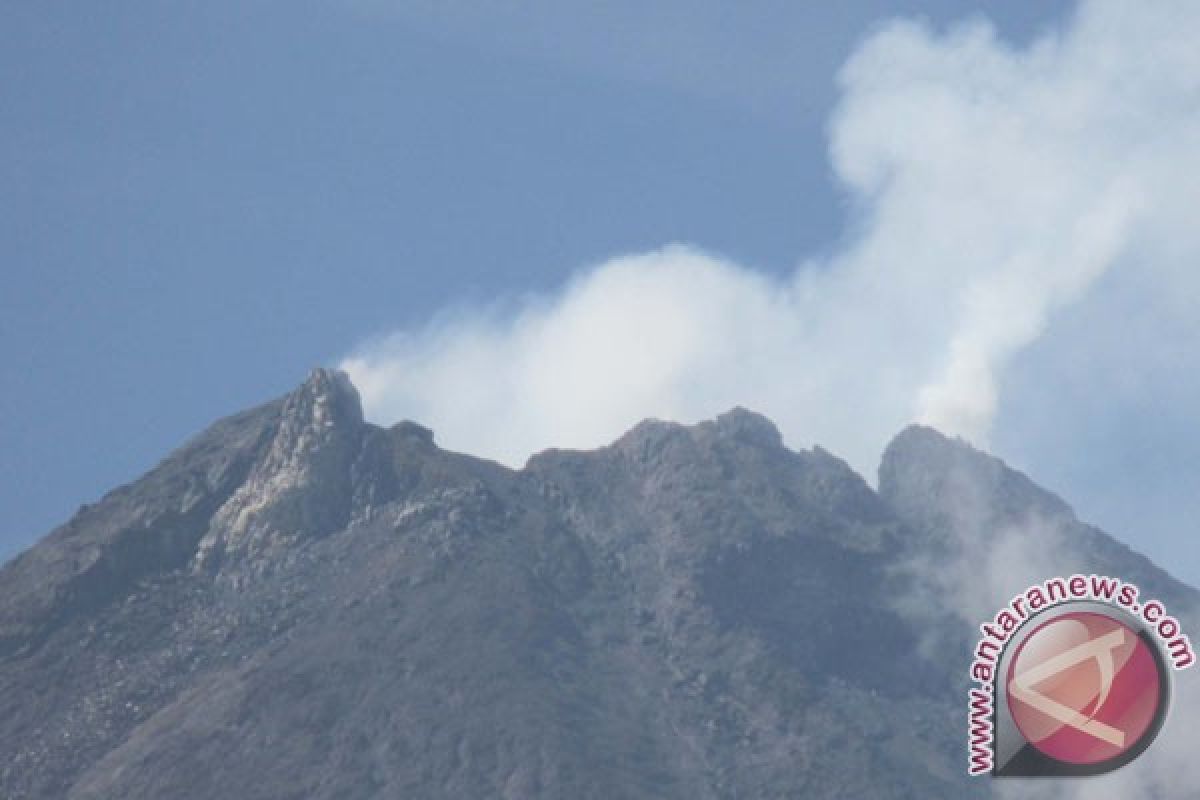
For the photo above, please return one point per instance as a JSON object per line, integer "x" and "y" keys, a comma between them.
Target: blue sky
{"x": 200, "y": 201}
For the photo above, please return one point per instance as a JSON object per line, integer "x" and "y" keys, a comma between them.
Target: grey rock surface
{"x": 298, "y": 604}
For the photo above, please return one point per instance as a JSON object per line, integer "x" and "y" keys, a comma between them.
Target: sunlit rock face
{"x": 300, "y": 604}
{"x": 302, "y": 486}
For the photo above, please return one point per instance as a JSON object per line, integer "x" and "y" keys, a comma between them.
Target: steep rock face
{"x": 968, "y": 503}
{"x": 302, "y": 486}
{"x": 348, "y": 611}
{"x": 937, "y": 483}
{"x": 135, "y": 531}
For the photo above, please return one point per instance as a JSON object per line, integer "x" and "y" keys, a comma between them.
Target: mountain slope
{"x": 301, "y": 604}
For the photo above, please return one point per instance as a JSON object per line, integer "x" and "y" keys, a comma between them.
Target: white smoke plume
{"x": 993, "y": 185}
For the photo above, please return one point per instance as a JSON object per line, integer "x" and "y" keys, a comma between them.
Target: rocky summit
{"x": 299, "y": 604}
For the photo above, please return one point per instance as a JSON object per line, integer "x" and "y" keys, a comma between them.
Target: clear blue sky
{"x": 200, "y": 201}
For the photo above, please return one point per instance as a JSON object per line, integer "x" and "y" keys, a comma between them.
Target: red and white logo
{"x": 1084, "y": 688}
{"x": 1071, "y": 679}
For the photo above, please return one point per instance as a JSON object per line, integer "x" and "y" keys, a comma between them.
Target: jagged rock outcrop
{"x": 303, "y": 484}
{"x": 300, "y": 604}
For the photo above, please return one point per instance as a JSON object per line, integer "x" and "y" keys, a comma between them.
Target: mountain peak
{"x": 924, "y": 470}
{"x": 749, "y": 427}
{"x": 302, "y": 485}
{"x": 329, "y": 396}
{"x": 296, "y": 582}
{"x": 652, "y": 440}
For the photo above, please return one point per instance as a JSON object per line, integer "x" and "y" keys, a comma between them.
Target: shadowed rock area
{"x": 299, "y": 604}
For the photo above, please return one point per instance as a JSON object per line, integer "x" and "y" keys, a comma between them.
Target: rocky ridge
{"x": 300, "y": 604}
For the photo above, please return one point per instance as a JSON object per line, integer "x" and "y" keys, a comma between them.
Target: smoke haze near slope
{"x": 992, "y": 187}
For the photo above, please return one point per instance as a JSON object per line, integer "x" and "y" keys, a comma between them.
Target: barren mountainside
{"x": 299, "y": 604}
